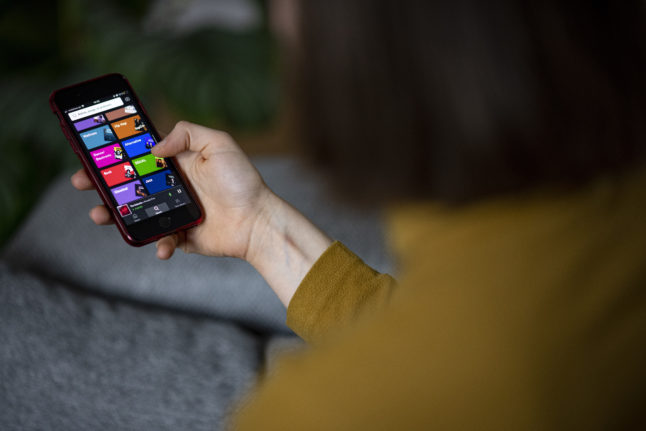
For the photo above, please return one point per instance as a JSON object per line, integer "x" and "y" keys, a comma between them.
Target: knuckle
{"x": 226, "y": 136}
{"x": 182, "y": 124}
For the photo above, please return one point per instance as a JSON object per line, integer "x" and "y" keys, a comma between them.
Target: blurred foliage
{"x": 211, "y": 76}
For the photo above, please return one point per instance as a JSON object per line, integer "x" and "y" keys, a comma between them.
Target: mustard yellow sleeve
{"x": 338, "y": 288}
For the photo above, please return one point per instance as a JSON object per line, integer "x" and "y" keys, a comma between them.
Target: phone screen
{"x": 117, "y": 140}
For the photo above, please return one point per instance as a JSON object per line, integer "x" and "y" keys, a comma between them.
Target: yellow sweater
{"x": 517, "y": 314}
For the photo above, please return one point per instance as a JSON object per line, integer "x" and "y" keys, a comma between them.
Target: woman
{"x": 506, "y": 141}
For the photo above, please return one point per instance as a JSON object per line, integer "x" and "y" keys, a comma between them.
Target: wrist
{"x": 283, "y": 246}
{"x": 266, "y": 225}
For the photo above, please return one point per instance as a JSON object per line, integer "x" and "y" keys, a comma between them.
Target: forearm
{"x": 284, "y": 245}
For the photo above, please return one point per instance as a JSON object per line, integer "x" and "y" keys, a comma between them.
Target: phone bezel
{"x": 152, "y": 228}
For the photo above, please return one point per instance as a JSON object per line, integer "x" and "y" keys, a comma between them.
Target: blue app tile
{"x": 98, "y": 137}
{"x": 139, "y": 145}
{"x": 160, "y": 181}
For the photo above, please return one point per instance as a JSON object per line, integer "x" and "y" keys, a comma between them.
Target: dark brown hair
{"x": 461, "y": 99}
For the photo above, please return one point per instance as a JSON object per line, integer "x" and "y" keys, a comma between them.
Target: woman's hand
{"x": 242, "y": 216}
{"x": 230, "y": 189}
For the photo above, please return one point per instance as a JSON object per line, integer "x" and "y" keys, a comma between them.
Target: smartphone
{"x": 109, "y": 129}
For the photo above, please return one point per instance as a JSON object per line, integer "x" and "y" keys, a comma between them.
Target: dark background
{"x": 210, "y": 62}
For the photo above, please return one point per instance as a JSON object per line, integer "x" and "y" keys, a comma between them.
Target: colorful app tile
{"x": 121, "y": 112}
{"x": 107, "y": 155}
{"x": 139, "y": 145}
{"x": 148, "y": 163}
{"x": 129, "y": 126}
{"x": 126, "y": 193}
{"x": 98, "y": 137}
{"x": 160, "y": 181}
{"x": 97, "y": 120}
{"x": 118, "y": 174}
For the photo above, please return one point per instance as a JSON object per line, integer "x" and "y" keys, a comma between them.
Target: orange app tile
{"x": 128, "y": 126}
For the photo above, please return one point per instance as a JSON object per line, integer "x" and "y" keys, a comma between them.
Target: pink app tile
{"x": 107, "y": 155}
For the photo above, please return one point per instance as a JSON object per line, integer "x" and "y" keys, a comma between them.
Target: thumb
{"x": 185, "y": 136}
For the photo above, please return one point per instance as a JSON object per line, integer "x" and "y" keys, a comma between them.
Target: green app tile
{"x": 147, "y": 164}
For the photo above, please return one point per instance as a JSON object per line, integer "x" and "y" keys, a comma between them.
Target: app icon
{"x": 124, "y": 210}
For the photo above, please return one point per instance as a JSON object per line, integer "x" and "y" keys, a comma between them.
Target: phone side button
{"x": 164, "y": 221}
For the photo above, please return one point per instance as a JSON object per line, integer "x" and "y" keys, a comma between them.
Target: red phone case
{"x": 97, "y": 182}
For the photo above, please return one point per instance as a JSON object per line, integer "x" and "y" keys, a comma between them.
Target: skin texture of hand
{"x": 243, "y": 217}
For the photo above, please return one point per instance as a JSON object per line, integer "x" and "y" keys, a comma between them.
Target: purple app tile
{"x": 126, "y": 192}
{"x": 97, "y": 120}
{"x": 107, "y": 155}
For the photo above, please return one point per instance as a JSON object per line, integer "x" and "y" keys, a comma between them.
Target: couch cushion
{"x": 59, "y": 240}
{"x": 70, "y": 360}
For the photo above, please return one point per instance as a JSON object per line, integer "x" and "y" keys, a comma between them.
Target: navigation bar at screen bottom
{"x": 153, "y": 205}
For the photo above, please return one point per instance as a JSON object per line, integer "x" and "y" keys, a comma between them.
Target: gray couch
{"x": 95, "y": 334}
